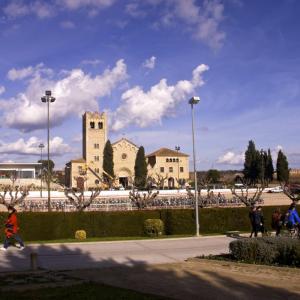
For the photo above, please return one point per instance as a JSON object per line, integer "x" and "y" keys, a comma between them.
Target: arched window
{"x": 100, "y": 125}
{"x": 167, "y": 160}
{"x": 92, "y": 125}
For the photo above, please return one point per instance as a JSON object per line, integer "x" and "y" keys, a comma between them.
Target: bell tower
{"x": 94, "y": 126}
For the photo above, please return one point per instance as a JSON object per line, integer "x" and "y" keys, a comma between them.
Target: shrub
{"x": 268, "y": 250}
{"x": 153, "y": 227}
{"x": 80, "y": 235}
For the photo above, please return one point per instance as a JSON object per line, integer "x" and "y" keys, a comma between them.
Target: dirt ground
{"x": 202, "y": 279}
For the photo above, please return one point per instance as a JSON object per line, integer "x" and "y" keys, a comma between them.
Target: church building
{"x": 87, "y": 172}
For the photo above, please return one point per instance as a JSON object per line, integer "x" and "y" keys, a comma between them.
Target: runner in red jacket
{"x": 11, "y": 229}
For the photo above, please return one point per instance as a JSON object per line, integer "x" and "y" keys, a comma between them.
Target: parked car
{"x": 276, "y": 189}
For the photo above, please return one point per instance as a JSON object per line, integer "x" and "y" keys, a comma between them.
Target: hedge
{"x": 268, "y": 250}
{"x": 59, "y": 225}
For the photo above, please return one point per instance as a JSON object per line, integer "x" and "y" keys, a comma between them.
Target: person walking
{"x": 277, "y": 221}
{"x": 251, "y": 218}
{"x": 11, "y": 229}
{"x": 258, "y": 221}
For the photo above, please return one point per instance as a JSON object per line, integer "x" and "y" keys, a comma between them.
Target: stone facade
{"x": 124, "y": 160}
{"x": 172, "y": 166}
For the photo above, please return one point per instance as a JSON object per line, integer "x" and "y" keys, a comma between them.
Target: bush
{"x": 80, "y": 235}
{"x": 153, "y": 227}
{"x": 269, "y": 250}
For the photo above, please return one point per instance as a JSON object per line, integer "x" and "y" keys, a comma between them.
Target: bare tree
{"x": 79, "y": 200}
{"x": 11, "y": 195}
{"x": 243, "y": 194}
{"x": 292, "y": 191}
{"x": 142, "y": 199}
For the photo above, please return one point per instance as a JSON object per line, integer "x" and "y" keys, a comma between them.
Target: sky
{"x": 141, "y": 61}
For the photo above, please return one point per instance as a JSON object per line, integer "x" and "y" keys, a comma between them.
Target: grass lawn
{"x": 88, "y": 291}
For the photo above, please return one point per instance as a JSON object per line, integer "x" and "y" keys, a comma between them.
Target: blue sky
{"x": 141, "y": 61}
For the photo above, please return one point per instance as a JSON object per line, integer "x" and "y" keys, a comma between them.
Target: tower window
{"x": 171, "y": 169}
{"x": 92, "y": 125}
{"x": 181, "y": 169}
{"x": 96, "y": 146}
{"x": 167, "y": 160}
{"x": 100, "y": 125}
{"x": 96, "y": 158}
{"x": 162, "y": 169}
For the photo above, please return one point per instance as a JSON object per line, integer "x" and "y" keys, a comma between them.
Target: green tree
{"x": 282, "y": 167}
{"x": 253, "y": 163}
{"x": 269, "y": 169}
{"x": 140, "y": 168}
{"x": 213, "y": 176}
{"x": 108, "y": 159}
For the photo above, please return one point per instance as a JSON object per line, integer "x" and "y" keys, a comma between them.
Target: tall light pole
{"x": 193, "y": 101}
{"x": 48, "y": 99}
{"x": 177, "y": 148}
{"x": 41, "y": 146}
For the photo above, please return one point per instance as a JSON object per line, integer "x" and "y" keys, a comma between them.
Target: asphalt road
{"x": 108, "y": 254}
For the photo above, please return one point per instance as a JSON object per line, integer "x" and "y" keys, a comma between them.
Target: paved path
{"x": 108, "y": 254}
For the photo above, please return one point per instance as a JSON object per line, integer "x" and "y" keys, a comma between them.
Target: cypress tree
{"x": 140, "y": 168}
{"x": 252, "y": 165}
{"x": 282, "y": 167}
{"x": 269, "y": 167}
{"x": 108, "y": 159}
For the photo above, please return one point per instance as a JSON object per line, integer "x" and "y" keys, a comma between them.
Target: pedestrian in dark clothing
{"x": 258, "y": 221}
{"x": 277, "y": 221}
{"x": 251, "y": 218}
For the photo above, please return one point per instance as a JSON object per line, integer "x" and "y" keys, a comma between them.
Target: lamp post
{"x": 48, "y": 99}
{"x": 177, "y": 148}
{"x": 193, "y": 101}
{"x": 41, "y": 146}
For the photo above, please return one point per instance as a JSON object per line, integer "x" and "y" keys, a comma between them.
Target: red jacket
{"x": 11, "y": 224}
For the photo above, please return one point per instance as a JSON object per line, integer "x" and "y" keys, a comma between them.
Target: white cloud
{"x": 30, "y": 147}
{"x": 2, "y": 89}
{"x": 76, "y": 4}
{"x": 75, "y": 93}
{"x": 133, "y": 9}
{"x": 150, "y": 63}
{"x": 67, "y": 25}
{"x": 231, "y": 158}
{"x": 202, "y": 20}
{"x": 146, "y": 108}
{"x": 21, "y": 8}
{"x": 92, "y": 62}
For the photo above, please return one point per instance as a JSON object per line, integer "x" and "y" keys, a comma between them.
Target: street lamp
{"x": 177, "y": 148}
{"x": 48, "y": 99}
{"x": 193, "y": 101}
{"x": 41, "y": 146}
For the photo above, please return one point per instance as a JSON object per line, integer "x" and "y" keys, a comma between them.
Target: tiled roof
{"x": 167, "y": 152}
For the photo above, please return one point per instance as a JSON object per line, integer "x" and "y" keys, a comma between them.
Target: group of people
{"x": 289, "y": 219}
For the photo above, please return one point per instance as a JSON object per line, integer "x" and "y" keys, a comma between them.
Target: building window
{"x": 92, "y": 125}
{"x": 97, "y": 181}
{"x": 96, "y": 158}
{"x": 181, "y": 169}
{"x": 171, "y": 169}
{"x": 96, "y": 170}
{"x": 177, "y": 159}
{"x": 124, "y": 156}
{"x": 167, "y": 160}
{"x": 96, "y": 146}
{"x": 162, "y": 169}
{"x": 174, "y": 159}
{"x": 100, "y": 125}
